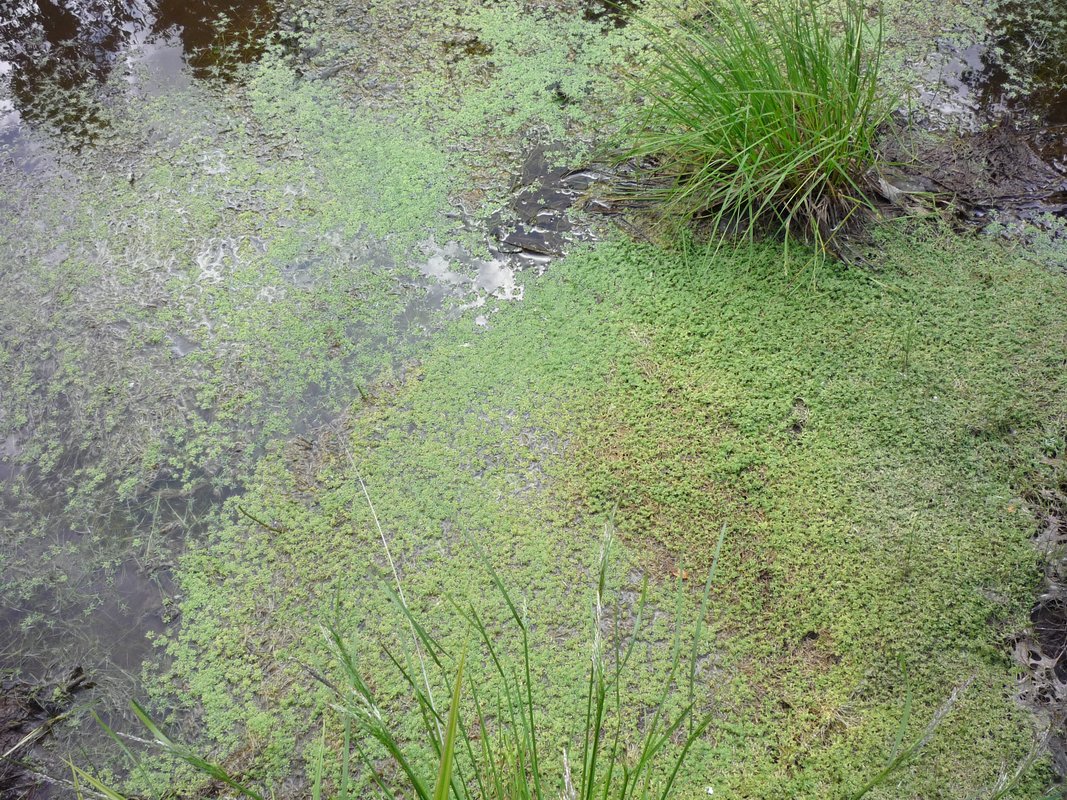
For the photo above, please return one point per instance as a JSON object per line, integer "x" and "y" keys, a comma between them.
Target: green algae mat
{"x": 864, "y": 441}
{"x": 215, "y": 333}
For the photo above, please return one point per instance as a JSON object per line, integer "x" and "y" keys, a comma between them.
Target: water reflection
{"x": 56, "y": 56}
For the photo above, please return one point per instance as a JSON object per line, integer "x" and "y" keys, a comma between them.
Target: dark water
{"x": 1026, "y": 79}
{"x": 1011, "y": 89}
{"x": 59, "y": 56}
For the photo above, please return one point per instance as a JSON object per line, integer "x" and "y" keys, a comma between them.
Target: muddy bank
{"x": 988, "y": 125}
{"x": 28, "y": 714}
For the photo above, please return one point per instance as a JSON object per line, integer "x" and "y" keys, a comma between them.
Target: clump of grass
{"x": 763, "y": 116}
{"x": 488, "y": 748}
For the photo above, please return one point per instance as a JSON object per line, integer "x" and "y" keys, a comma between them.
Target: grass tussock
{"x": 762, "y": 117}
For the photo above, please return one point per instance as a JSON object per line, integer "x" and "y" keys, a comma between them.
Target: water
{"x": 58, "y": 55}
{"x": 113, "y": 374}
{"x": 1008, "y": 95}
{"x": 1028, "y": 80}
{"x": 87, "y": 564}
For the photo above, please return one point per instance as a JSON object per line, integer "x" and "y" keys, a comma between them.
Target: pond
{"x": 231, "y": 230}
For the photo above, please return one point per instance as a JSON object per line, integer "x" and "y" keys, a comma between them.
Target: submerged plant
{"x": 762, "y": 116}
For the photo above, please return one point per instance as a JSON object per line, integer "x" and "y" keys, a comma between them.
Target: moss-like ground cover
{"x": 863, "y": 438}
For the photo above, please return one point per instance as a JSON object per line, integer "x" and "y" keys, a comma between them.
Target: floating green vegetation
{"x": 238, "y": 268}
{"x": 490, "y": 744}
{"x": 487, "y": 79}
{"x": 863, "y": 439}
{"x": 221, "y": 271}
{"x": 228, "y": 265}
{"x": 178, "y": 305}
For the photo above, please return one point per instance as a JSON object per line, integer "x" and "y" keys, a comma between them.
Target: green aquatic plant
{"x": 762, "y": 116}
{"x": 717, "y": 394}
{"x": 489, "y": 747}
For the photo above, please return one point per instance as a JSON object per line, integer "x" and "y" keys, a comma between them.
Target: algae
{"x": 223, "y": 295}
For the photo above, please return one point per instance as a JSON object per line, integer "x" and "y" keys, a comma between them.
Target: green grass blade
{"x": 202, "y": 765}
{"x": 444, "y": 775}
{"x": 105, "y": 791}
{"x": 316, "y": 776}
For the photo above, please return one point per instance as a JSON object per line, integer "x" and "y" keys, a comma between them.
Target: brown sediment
{"x": 28, "y": 711}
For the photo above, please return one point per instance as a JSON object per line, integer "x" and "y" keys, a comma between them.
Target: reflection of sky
{"x": 56, "y": 55}
{"x": 155, "y": 63}
{"x": 9, "y": 115}
{"x": 150, "y": 64}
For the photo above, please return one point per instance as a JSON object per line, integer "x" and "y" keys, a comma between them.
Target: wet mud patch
{"x": 998, "y": 109}
{"x": 614, "y": 13}
{"x": 989, "y": 174}
{"x": 536, "y": 225}
{"x": 465, "y": 45}
{"x": 28, "y": 714}
{"x": 538, "y": 222}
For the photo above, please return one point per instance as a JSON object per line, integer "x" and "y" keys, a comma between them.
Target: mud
{"x": 989, "y": 174}
{"x": 998, "y": 108}
{"x": 28, "y": 714}
{"x": 534, "y": 227}
{"x": 609, "y": 12}
{"x": 536, "y": 223}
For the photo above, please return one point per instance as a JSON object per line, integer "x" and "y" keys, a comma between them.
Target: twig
{"x": 258, "y": 521}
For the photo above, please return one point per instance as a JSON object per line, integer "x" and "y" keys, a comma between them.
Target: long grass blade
{"x": 202, "y": 765}
{"x": 448, "y": 754}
